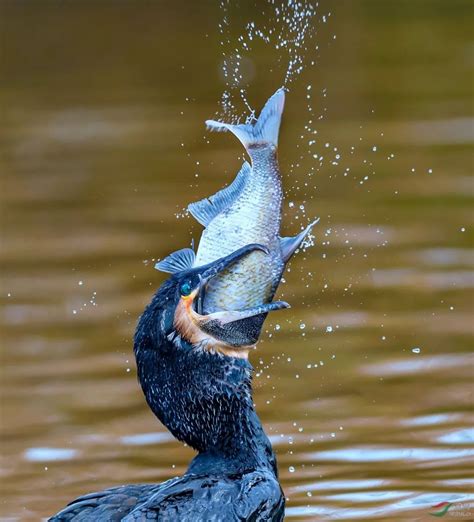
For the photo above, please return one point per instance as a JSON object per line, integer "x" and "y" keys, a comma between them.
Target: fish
{"x": 246, "y": 211}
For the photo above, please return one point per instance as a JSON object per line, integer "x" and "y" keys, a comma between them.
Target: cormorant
{"x": 195, "y": 375}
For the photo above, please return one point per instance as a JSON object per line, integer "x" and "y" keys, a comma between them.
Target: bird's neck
{"x": 206, "y": 401}
{"x": 236, "y": 442}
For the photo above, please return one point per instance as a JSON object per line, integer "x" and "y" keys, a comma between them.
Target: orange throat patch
{"x": 188, "y": 324}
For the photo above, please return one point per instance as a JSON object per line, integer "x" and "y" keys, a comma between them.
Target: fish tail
{"x": 265, "y": 130}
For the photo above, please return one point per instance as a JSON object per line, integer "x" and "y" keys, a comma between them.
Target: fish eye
{"x": 185, "y": 289}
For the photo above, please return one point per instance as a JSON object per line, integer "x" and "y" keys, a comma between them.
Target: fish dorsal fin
{"x": 290, "y": 244}
{"x": 177, "y": 261}
{"x": 208, "y": 208}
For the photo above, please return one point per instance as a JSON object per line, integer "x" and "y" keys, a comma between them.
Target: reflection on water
{"x": 49, "y": 454}
{"x": 373, "y": 454}
{"x": 103, "y": 144}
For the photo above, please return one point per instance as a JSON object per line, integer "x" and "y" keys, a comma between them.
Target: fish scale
{"x": 251, "y": 281}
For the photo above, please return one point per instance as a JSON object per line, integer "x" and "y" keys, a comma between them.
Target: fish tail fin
{"x": 264, "y": 131}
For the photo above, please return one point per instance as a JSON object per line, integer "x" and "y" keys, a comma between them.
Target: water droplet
{"x": 291, "y": 469}
{"x": 329, "y": 329}
{"x": 416, "y": 350}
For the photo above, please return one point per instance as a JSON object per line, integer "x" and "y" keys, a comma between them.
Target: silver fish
{"x": 247, "y": 211}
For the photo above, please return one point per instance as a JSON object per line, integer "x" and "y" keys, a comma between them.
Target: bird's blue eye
{"x": 185, "y": 289}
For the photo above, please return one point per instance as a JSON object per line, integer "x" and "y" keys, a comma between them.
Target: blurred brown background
{"x": 102, "y": 136}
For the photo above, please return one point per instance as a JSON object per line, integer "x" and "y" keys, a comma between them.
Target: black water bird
{"x": 196, "y": 379}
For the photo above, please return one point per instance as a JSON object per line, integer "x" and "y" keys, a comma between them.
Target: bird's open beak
{"x": 236, "y": 328}
{"x": 230, "y": 332}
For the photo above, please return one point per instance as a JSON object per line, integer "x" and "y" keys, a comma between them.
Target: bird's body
{"x": 254, "y": 496}
{"x": 204, "y": 397}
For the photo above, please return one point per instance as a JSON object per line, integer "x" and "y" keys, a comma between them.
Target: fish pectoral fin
{"x": 177, "y": 261}
{"x": 290, "y": 244}
{"x": 239, "y": 328}
{"x": 207, "y": 209}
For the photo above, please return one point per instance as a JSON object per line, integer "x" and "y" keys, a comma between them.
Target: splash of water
{"x": 287, "y": 27}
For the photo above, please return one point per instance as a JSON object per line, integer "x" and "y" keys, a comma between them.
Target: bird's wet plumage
{"x": 254, "y": 496}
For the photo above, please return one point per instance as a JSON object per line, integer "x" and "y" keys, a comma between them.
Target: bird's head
{"x": 175, "y": 313}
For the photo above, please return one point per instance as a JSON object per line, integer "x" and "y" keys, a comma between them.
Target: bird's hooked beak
{"x": 226, "y": 330}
